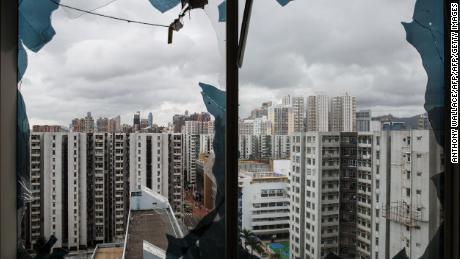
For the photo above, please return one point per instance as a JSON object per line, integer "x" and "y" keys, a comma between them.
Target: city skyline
{"x": 381, "y": 76}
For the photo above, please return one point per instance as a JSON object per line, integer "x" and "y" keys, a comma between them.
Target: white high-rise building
{"x": 282, "y": 119}
{"x": 318, "y": 113}
{"x": 281, "y": 146}
{"x": 406, "y": 209}
{"x": 331, "y": 195}
{"x": 79, "y": 183}
{"x": 206, "y": 143}
{"x": 157, "y": 161}
{"x": 343, "y": 114}
{"x": 256, "y": 126}
{"x": 89, "y": 123}
{"x": 298, "y": 106}
{"x": 196, "y": 127}
{"x": 59, "y": 189}
{"x": 286, "y": 100}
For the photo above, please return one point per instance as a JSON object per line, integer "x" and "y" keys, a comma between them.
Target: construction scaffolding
{"x": 403, "y": 213}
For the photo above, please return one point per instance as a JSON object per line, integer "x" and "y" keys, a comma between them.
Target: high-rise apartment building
{"x": 286, "y": 100}
{"x": 79, "y": 188}
{"x": 102, "y": 125}
{"x": 318, "y": 113}
{"x": 196, "y": 127}
{"x": 363, "y": 120}
{"x": 157, "y": 161}
{"x": 342, "y": 114}
{"x": 406, "y": 210}
{"x": 47, "y": 128}
{"x": 298, "y": 109}
{"x": 256, "y": 146}
{"x": 137, "y": 121}
{"x": 330, "y": 194}
{"x": 282, "y": 119}
{"x": 262, "y": 111}
{"x": 89, "y": 123}
{"x": 150, "y": 120}
{"x": 257, "y": 126}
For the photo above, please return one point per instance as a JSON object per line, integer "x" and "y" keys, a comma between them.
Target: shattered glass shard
{"x": 283, "y": 2}
{"x": 35, "y": 29}
{"x": 426, "y": 34}
{"x": 222, "y": 11}
{"x": 22, "y": 60}
{"x": 164, "y": 5}
{"x": 214, "y": 100}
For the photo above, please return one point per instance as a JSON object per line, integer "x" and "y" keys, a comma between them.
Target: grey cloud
{"x": 305, "y": 48}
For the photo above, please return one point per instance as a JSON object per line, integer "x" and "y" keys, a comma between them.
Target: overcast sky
{"x": 307, "y": 47}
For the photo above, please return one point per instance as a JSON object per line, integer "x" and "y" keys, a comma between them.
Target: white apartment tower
{"x": 80, "y": 188}
{"x": 58, "y": 181}
{"x": 298, "y": 106}
{"x": 157, "y": 162}
{"x": 318, "y": 113}
{"x": 406, "y": 208}
{"x": 343, "y": 114}
{"x": 282, "y": 119}
{"x": 331, "y": 195}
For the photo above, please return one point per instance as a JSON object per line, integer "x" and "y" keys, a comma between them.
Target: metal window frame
{"x": 451, "y": 195}
{"x": 8, "y": 93}
{"x": 231, "y": 136}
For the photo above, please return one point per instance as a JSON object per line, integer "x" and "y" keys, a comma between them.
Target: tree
{"x": 251, "y": 240}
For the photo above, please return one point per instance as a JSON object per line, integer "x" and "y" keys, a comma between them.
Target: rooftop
{"x": 108, "y": 251}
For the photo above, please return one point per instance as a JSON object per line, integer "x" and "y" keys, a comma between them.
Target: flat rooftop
{"x": 109, "y": 253}
{"x": 152, "y": 226}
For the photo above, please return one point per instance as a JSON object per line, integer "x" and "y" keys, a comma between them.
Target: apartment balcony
{"x": 331, "y": 167}
{"x": 331, "y": 155}
{"x": 331, "y": 234}
{"x": 330, "y": 224}
{"x": 330, "y": 246}
{"x": 331, "y": 144}
{"x": 364, "y": 205}
{"x": 366, "y": 157}
{"x": 330, "y": 212}
{"x": 331, "y": 178}
{"x": 367, "y": 168}
{"x": 363, "y": 252}
{"x": 329, "y": 201}
{"x": 329, "y": 190}
{"x": 364, "y": 239}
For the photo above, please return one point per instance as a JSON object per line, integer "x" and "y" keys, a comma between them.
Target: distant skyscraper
{"x": 282, "y": 119}
{"x": 102, "y": 125}
{"x": 89, "y": 123}
{"x": 137, "y": 121}
{"x": 423, "y": 122}
{"x": 47, "y": 128}
{"x": 114, "y": 124}
{"x": 286, "y": 100}
{"x": 150, "y": 120}
{"x": 343, "y": 114}
{"x": 260, "y": 112}
{"x": 363, "y": 120}
{"x": 298, "y": 109}
{"x": 318, "y": 113}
